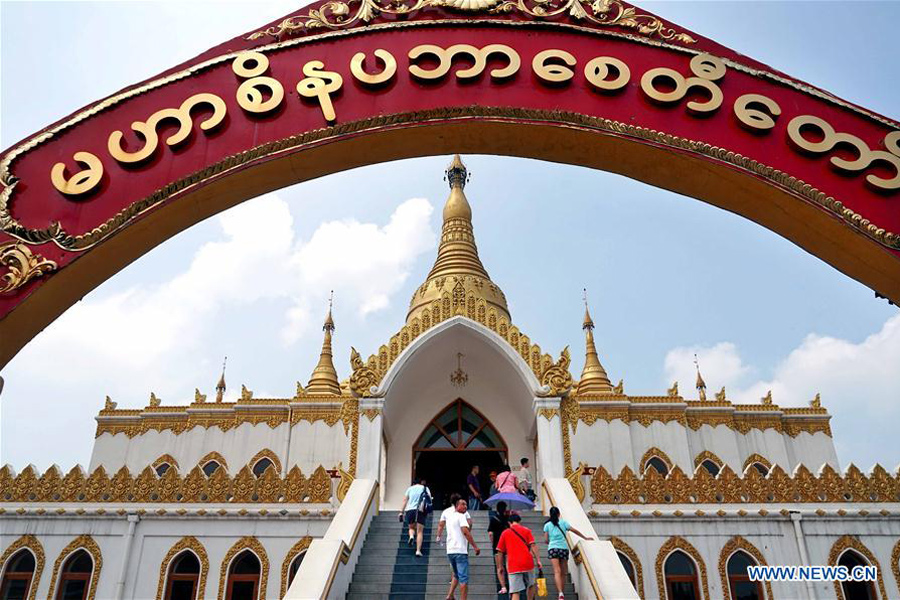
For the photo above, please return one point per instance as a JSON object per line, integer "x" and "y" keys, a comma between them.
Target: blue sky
{"x": 667, "y": 275}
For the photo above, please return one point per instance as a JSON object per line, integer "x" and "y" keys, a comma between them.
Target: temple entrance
{"x": 458, "y": 438}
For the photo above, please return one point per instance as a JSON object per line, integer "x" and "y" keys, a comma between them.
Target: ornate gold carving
{"x": 22, "y": 265}
{"x": 198, "y": 397}
{"x": 625, "y": 549}
{"x": 654, "y": 452}
{"x": 548, "y": 413}
{"x": 557, "y": 376}
{"x": 756, "y": 458}
{"x": 364, "y": 378}
{"x": 344, "y": 484}
{"x": 679, "y": 543}
{"x": 189, "y": 544}
{"x": 731, "y": 546}
{"x": 575, "y": 481}
{"x": 154, "y": 401}
{"x": 707, "y": 455}
{"x": 849, "y": 542}
{"x": 33, "y": 545}
{"x": 673, "y": 391}
{"x": 266, "y": 453}
{"x": 371, "y": 413}
{"x": 619, "y": 388}
{"x": 245, "y": 543}
{"x": 213, "y": 456}
{"x": 297, "y": 549}
{"x": 720, "y": 395}
{"x": 165, "y": 459}
{"x": 82, "y": 182}
{"x": 604, "y": 13}
{"x": 86, "y": 543}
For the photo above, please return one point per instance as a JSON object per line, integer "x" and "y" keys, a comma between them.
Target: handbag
{"x": 541, "y": 583}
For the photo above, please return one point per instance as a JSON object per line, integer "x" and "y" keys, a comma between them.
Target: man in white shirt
{"x": 526, "y": 487}
{"x": 458, "y": 525}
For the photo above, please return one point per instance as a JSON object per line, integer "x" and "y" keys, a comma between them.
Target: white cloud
{"x": 859, "y": 384}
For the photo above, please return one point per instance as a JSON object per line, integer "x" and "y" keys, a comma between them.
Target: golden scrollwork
{"x": 574, "y": 479}
{"x": 753, "y": 487}
{"x": 735, "y": 544}
{"x": 22, "y": 266}
{"x": 82, "y": 182}
{"x": 185, "y": 544}
{"x": 252, "y": 544}
{"x": 86, "y": 543}
{"x": 344, "y": 484}
{"x": 670, "y": 546}
{"x": 632, "y": 556}
{"x": 182, "y": 114}
{"x": 447, "y": 55}
{"x": 849, "y": 542}
{"x": 320, "y": 84}
{"x": 603, "y": 13}
{"x": 297, "y": 549}
{"x": 364, "y": 378}
{"x": 707, "y": 70}
{"x": 557, "y": 377}
{"x": 33, "y": 545}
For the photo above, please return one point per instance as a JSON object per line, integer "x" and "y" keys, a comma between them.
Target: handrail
{"x": 325, "y": 556}
{"x": 589, "y": 555}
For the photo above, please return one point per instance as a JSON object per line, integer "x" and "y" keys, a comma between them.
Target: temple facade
{"x": 243, "y": 499}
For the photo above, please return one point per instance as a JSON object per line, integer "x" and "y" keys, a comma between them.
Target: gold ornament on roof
{"x": 767, "y": 399}
{"x": 154, "y": 401}
{"x": 198, "y": 397}
{"x": 701, "y": 385}
{"x": 816, "y": 402}
{"x": 673, "y": 391}
{"x": 619, "y": 388}
{"x": 720, "y": 395}
{"x": 246, "y": 394}
{"x": 459, "y": 378}
{"x": 109, "y": 404}
{"x": 220, "y": 386}
{"x": 324, "y": 378}
{"x": 557, "y": 376}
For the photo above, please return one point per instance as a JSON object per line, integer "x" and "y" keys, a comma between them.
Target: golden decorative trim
{"x": 603, "y": 13}
{"x": 756, "y": 458}
{"x": 849, "y": 542}
{"x": 345, "y": 483}
{"x": 266, "y": 453}
{"x": 753, "y": 488}
{"x": 165, "y": 459}
{"x": 185, "y": 544}
{"x": 548, "y": 413}
{"x": 22, "y": 265}
{"x": 557, "y": 377}
{"x": 371, "y": 413}
{"x": 297, "y": 549}
{"x": 86, "y": 543}
{"x": 679, "y": 543}
{"x": 895, "y": 563}
{"x": 33, "y": 545}
{"x": 625, "y": 549}
{"x": 654, "y": 452}
{"x": 574, "y": 479}
{"x": 245, "y": 543}
{"x": 735, "y": 544}
{"x": 171, "y": 487}
{"x": 707, "y": 455}
{"x": 213, "y": 456}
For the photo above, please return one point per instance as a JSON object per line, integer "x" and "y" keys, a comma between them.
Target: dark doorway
{"x": 458, "y": 438}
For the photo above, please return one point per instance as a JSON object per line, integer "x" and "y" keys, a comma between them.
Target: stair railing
{"x": 327, "y": 568}
{"x": 596, "y": 569}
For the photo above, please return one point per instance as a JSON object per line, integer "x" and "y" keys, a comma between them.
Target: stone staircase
{"x": 389, "y": 568}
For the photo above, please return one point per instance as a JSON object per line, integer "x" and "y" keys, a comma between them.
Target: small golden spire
{"x": 701, "y": 385}
{"x": 324, "y": 379}
{"x": 594, "y": 379}
{"x": 220, "y": 387}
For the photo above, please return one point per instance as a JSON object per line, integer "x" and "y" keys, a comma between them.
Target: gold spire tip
{"x": 588, "y": 322}
{"x": 329, "y": 322}
{"x": 457, "y": 173}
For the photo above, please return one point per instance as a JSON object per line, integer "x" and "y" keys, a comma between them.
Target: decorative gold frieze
{"x": 190, "y": 544}
{"x": 548, "y": 413}
{"x": 33, "y": 545}
{"x": 86, "y": 543}
{"x": 22, "y": 266}
{"x": 603, "y": 13}
{"x": 733, "y": 545}
{"x": 254, "y": 545}
{"x": 147, "y": 487}
{"x": 849, "y": 542}
{"x": 707, "y": 455}
{"x": 753, "y": 488}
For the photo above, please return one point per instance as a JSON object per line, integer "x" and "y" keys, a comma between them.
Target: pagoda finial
{"x": 457, "y": 173}
{"x": 594, "y": 379}
{"x": 220, "y": 387}
{"x": 701, "y": 385}
{"x": 324, "y": 379}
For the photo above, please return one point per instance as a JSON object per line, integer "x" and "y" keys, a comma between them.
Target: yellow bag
{"x": 541, "y": 584}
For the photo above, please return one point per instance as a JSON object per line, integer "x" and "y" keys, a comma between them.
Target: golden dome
{"x": 458, "y": 282}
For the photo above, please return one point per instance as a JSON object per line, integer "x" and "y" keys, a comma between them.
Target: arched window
{"x": 712, "y": 467}
{"x": 261, "y": 465}
{"x": 657, "y": 463}
{"x": 161, "y": 468}
{"x": 75, "y": 577}
{"x": 183, "y": 578}
{"x": 17, "y": 577}
{"x": 681, "y": 577}
{"x": 856, "y": 590}
{"x": 739, "y": 580}
{"x": 629, "y": 568}
{"x": 763, "y": 469}
{"x": 295, "y": 566}
{"x": 460, "y": 427}
{"x": 211, "y": 467}
{"x": 243, "y": 577}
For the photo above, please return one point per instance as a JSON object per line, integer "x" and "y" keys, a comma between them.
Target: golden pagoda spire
{"x": 324, "y": 379}
{"x": 594, "y": 379}
{"x": 457, "y": 259}
{"x": 701, "y": 385}
{"x": 220, "y": 387}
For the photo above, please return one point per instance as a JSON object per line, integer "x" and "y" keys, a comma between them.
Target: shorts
{"x": 459, "y": 564}
{"x": 414, "y": 516}
{"x": 560, "y": 553}
{"x": 519, "y": 582}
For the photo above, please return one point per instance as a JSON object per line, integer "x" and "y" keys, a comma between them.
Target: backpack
{"x": 424, "y": 505}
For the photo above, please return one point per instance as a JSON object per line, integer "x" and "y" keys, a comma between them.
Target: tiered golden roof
{"x": 324, "y": 379}
{"x": 594, "y": 379}
{"x": 457, "y": 272}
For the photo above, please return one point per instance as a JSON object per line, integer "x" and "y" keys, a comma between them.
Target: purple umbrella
{"x": 514, "y": 501}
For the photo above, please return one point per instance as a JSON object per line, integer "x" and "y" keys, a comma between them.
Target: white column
{"x": 550, "y": 456}
{"x": 796, "y": 518}
{"x": 368, "y": 458}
